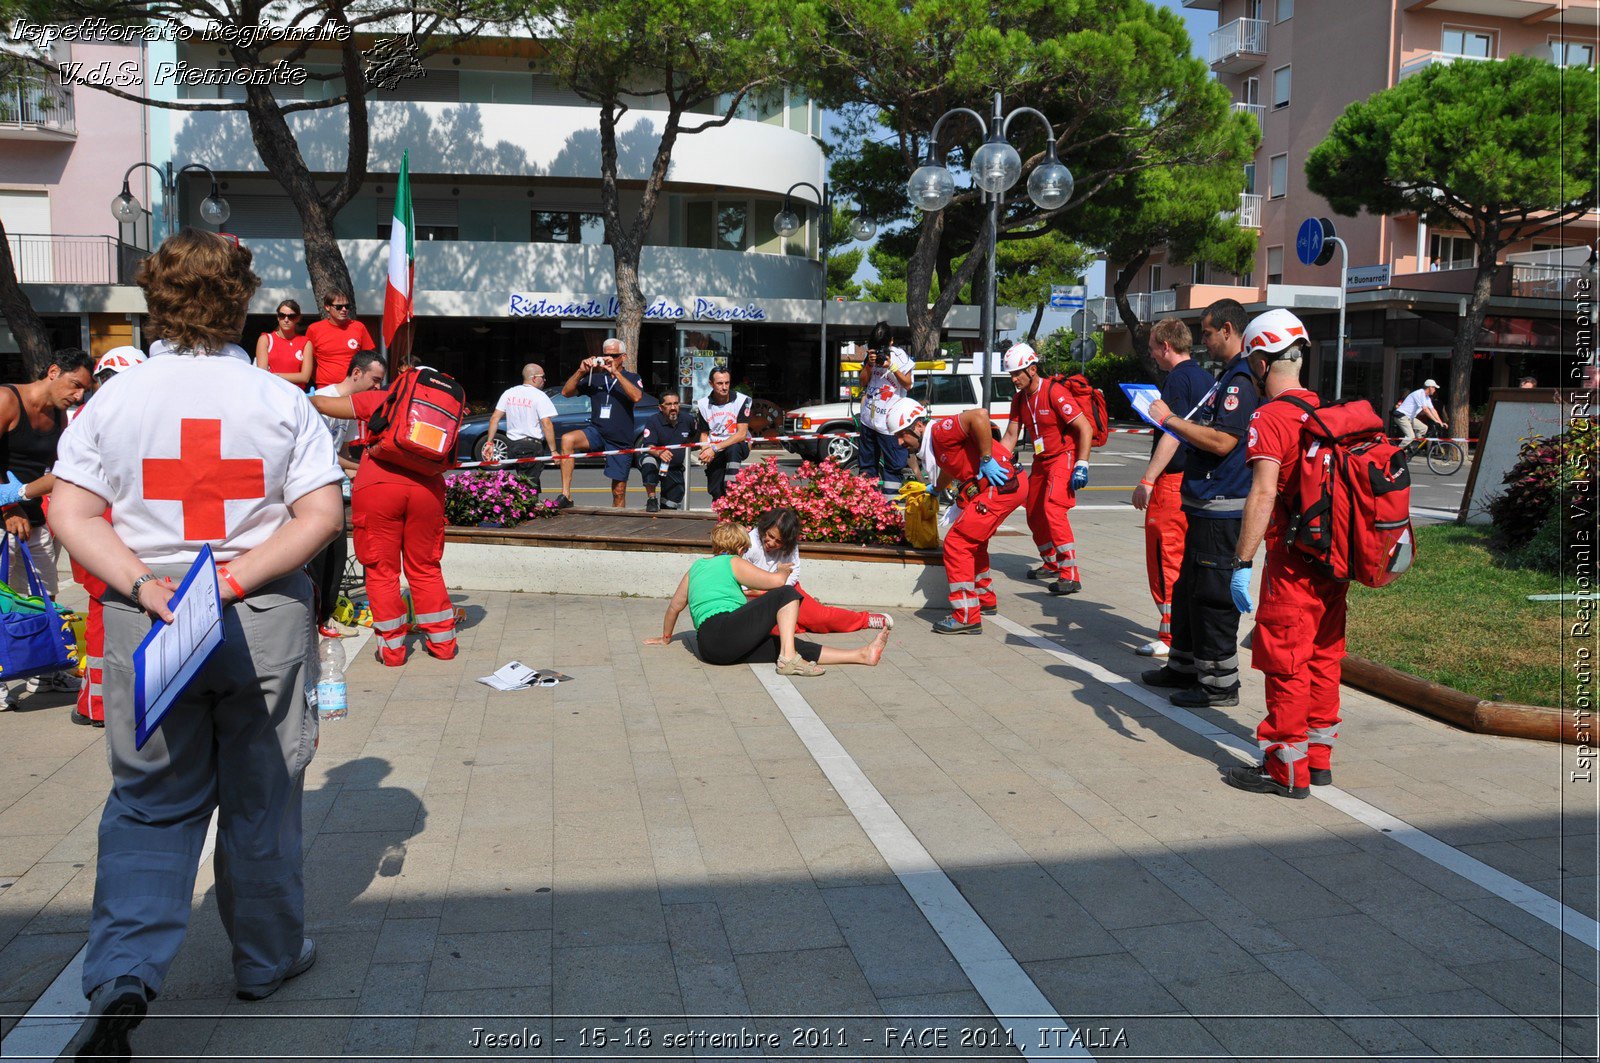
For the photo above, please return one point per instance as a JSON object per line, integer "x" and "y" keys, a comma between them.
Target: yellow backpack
{"x": 922, "y": 515}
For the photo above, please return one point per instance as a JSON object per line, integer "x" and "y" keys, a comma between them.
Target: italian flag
{"x": 402, "y": 257}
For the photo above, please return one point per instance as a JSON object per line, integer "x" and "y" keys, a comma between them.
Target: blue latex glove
{"x": 1239, "y": 586}
{"x": 994, "y": 472}
{"x": 1080, "y": 476}
{"x": 11, "y": 490}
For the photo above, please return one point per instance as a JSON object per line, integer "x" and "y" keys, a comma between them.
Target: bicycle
{"x": 1444, "y": 456}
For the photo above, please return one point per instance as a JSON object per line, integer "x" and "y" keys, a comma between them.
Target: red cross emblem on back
{"x": 203, "y": 480}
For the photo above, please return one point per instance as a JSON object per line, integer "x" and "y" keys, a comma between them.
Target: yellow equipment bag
{"x": 922, "y": 515}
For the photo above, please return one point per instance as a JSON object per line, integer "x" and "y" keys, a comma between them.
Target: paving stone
{"x": 895, "y": 947}
{"x": 812, "y": 982}
{"x": 775, "y": 917}
{"x": 405, "y": 940}
{"x": 636, "y": 980}
{"x": 1030, "y": 913}
{"x": 499, "y": 960}
{"x": 1369, "y": 957}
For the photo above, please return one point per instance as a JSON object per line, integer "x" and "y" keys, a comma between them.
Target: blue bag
{"x": 33, "y": 643}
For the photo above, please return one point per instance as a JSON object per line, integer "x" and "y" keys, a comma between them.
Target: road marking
{"x": 1539, "y": 905}
{"x": 989, "y": 965}
{"x": 1439, "y": 514}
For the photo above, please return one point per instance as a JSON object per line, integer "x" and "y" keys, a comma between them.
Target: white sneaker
{"x": 1153, "y": 648}
{"x": 60, "y": 682}
{"x": 5, "y": 698}
{"x": 880, "y": 620}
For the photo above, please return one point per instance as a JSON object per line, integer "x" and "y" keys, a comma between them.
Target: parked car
{"x": 571, "y": 412}
{"x": 943, "y": 393}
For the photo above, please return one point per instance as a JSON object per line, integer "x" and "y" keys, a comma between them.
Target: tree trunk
{"x": 32, "y": 337}
{"x": 1033, "y": 329}
{"x": 927, "y": 322}
{"x": 1130, "y": 320}
{"x": 1467, "y": 340}
{"x": 627, "y": 240}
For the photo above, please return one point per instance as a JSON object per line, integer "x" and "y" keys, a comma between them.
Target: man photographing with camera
{"x": 612, "y": 391}
{"x": 886, "y": 374}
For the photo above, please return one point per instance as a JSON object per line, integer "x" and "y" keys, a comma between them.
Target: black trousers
{"x": 528, "y": 448}
{"x": 744, "y": 635}
{"x": 1205, "y": 624}
{"x": 666, "y": 475}
{"x": 327, "y": 573}
{"x": 727, "y": 463}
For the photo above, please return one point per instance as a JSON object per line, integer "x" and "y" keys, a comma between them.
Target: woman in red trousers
{"x": 775, "y": 541}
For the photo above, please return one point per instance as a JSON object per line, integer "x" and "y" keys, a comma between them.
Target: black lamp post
{"x": 127, "y": 209}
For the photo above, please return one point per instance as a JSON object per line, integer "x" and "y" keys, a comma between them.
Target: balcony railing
{"x": 36, "y": 105}
{"x": 1249, "y": 211}
{"x": 1418, "y": 64}
{"x": 1239, "y": 45}
{"x": 1539, "y": 280}
{"x": 58, "y": 259}
{"x": 1145, "y": 306}
{"x": 1258, "y": 111}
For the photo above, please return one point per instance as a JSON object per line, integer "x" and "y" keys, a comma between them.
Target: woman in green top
{"x": 733, "y": 629}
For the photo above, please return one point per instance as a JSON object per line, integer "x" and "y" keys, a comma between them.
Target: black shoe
{"x": 81, "y": 720}
{"x": 1256, "y": 781}
{"x": 1042, "y": 572}
{"x": 563, "y": 501}
{"x": 951, "y": 626}
{"x": 989, "y": 610}
{"x": 1065, "y": 586}
{"x": 1166, "y": 677}
{"x": 652, "y": 504}
{"x": 1198, "y": 697}
{"x": 115, "y": 1009}
{"x": 1321, "y": 776}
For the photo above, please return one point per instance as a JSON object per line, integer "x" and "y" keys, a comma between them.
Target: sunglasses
{"x": 340, "y": 306}
{"x": 291, "y": 317}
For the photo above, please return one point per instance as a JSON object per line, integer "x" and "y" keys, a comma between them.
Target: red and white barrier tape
{"x": 643, "y": 450}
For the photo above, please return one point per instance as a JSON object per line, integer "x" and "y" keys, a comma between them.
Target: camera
{"x": 875, "y": 358}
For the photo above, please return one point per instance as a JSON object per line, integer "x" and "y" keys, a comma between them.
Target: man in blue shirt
{"x": 1204, "y": 659}
{"x": 670, "y": 425}
{"x": 612, "y": 391}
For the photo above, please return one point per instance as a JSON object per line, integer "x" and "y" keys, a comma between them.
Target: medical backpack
{"x": 1349, "y": 496}
{"x": 417, "y": 425}
{"x": 1091, "y": 400}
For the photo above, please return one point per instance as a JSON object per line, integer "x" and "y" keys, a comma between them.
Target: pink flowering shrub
{"x": 835, "y": 505}
{"x": 474, "y": 497}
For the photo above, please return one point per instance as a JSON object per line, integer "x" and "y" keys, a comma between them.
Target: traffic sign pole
{"x": 1344, "y": 296}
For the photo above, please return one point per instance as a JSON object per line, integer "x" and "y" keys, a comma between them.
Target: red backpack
{"x": 1091, "y": 400}
{"x": 1350, "y": 495}
{"x": 417, "y": 425}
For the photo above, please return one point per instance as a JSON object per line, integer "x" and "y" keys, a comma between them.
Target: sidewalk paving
{"x": 655, "y": 841}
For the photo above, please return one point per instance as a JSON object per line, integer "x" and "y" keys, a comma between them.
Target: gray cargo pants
{"x": 239, "y": 737}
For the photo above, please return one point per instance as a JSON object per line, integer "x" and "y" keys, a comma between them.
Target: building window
{"x": 1155, "y": 278}
{"x": 435, "y": 219}
{"x": 1458, "y": 40}
{"x": 568, "y": 227}
{"x": 720, "y": 225}
{"x": 1278, "y": 177}
{"x": 1197, "y": 273}
{"x": 1280, "y": 87}
{"x": 1450, "y": 251}
{"x": 1572, "y": 53}
{"x": 1275, "y": 265}
{"x": 1250, "y": 178}
{"x": 1285, "y": 10}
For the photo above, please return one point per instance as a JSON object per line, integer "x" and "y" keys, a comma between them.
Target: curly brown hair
{"x": 729, "y": 538}
{"x": 197, "y": 287}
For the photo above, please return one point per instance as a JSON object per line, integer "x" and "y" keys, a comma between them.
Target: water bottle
{"x": 332, "y": 697}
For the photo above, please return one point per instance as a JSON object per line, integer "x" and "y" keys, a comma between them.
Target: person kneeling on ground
{"x": 733, "y": 630}
{"x": 775, "y": 543}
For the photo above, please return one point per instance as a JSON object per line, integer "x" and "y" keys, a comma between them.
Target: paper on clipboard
{"x": 171, "y": 654}
{"x": 1140, "y": 396}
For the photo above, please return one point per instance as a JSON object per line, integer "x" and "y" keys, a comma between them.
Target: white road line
{"x": 1441, "y": 514}
{"x": 1574, "y": 924}
{"x": 59, "y": 1011}
{"x": 993, "y": 971}
{"x": 56, "y": 1015}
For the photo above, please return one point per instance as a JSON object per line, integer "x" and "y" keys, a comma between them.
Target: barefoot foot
{"x": 876, "y": 647}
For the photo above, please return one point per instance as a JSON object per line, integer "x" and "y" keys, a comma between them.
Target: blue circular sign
{"x": 1308, "y": 241}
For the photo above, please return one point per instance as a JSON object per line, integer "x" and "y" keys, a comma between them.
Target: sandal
{"x": 798, "y": 665}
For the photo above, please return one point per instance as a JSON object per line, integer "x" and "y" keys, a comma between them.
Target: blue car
{"x": 571, "y": 413}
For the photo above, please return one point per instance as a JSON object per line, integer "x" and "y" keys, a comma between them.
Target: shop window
{"x": 568, "y": 227}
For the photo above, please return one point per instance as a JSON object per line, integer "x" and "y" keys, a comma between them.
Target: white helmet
{"x": 904, "y": 413}
{"x": 119, "y": 358}
{"x": 1274, "y": 332}
{"x": 1019, "y": 357}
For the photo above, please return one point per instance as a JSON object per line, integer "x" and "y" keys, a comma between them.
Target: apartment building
{"x": 1295, "y": 65}
{"x": 505, "y": 166}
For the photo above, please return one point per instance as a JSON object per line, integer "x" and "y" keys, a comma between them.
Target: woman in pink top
{"x": 283, "y": 351}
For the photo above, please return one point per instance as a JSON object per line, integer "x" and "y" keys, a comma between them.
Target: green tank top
{"x": 712, "y": 588}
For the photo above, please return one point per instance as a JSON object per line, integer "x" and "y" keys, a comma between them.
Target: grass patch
{"x": 1461, "y": 618}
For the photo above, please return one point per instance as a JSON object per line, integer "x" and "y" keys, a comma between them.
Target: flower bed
{"x": 834, "y": 504}
{"x": 498, "y": 498}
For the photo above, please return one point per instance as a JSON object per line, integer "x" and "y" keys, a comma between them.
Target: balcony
{"x": 1249, "y": 211}
{"x": 1418, "y": 63}
{"x": 1239, "y": 46}
{"x": 36, "y": 108}
{"x": 58, "y": 259}
{"x": 1545, "y": 280}
{"x": 1258, "y": 111}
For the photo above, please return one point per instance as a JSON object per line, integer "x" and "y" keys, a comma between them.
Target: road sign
{"x": 1366, "y": 277}
{"x": 1314, "y": 242}
{"x": 1067, "y": 296}
{"x": 1084, "y": 321}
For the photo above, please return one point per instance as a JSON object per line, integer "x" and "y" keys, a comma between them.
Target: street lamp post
{"x": 786, "y": 223}
{"x": 126, "y": 208}
{"x": 996, "y": 166}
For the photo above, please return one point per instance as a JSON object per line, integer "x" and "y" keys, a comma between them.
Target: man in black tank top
{"x": 32, "y": 417}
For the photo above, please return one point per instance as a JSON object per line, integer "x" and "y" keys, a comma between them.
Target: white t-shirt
{"x": 196, "y": 449}
{"x": 720, "y": 422}
{"x": 523, "y": 407}
{"x": 1414, "y": 403}
{"x": 883, "y": 388}
{"x": 757, "y": 556}
{"x": 232, "y": 350}
{"x": 343, "y": 431}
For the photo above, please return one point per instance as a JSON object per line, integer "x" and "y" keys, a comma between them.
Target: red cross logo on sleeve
{"x": 203, "y": 480}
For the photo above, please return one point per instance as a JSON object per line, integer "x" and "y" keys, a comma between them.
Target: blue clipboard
{"x": 171, "y": 654}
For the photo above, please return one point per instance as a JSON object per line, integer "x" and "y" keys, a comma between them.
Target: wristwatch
{"x": 1238, "y": 563}
{"x": 138, "y": 584}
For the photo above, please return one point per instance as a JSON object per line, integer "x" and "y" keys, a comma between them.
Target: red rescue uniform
{"x": 1046, "y": 413}
{"x": 1165, "y": 526}
{"x": 91, "y": 705}
{"x": 966, "y": 544}
{"x": 398, "y": 523}
{"x": 1299, "y": 640}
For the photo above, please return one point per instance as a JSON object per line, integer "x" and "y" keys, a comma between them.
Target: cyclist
{"x": 1414, "y": 411}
